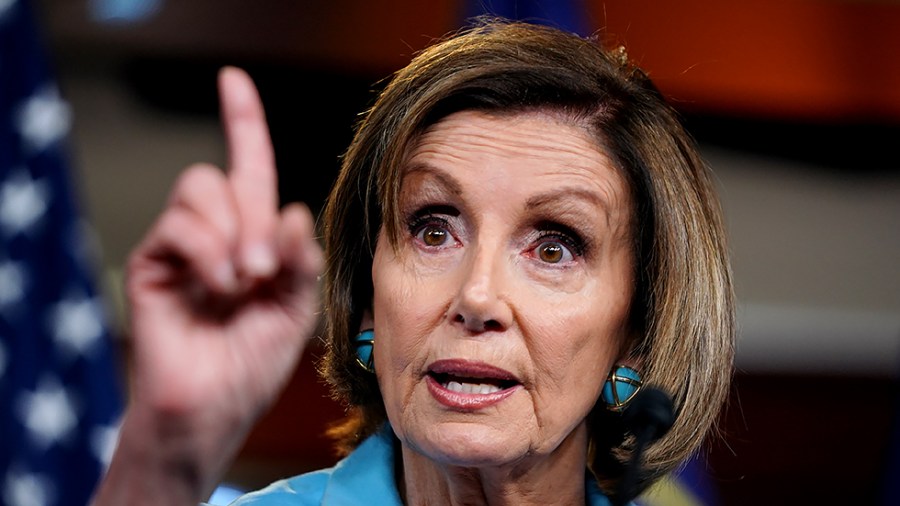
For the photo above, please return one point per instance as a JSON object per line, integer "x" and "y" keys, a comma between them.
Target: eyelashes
{"x": 431, "y": 230}
{"x": 431, "y": 226}
{"x": 551, "y": 242}
{"x": 550, "y": 231}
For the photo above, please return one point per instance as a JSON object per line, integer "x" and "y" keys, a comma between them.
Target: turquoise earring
{"x": 621, "y": 387}
{"x": 364, "y": 342}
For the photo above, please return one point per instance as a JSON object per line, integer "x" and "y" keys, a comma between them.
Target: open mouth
{"x": 465, "y": 377}
{"x": 471, "y": 385}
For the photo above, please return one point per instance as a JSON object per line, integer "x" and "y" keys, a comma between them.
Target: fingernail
{"x": 259, "y": 260}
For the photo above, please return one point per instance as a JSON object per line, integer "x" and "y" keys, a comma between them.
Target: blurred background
{"x": 796, "y": 106}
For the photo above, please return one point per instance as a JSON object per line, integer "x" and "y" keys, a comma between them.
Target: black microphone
{"x": 648, "y": 417}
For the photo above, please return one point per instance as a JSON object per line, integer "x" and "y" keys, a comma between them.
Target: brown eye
{"x": 551, "y": 252}
{"x": 433, "y": 236}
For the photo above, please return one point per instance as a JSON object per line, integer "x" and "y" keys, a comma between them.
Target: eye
{"x": 553, "y": 252}
{"x": 557, "y": 244}
{"x": 431, "y": 230}
{"x": 433, "y": 235}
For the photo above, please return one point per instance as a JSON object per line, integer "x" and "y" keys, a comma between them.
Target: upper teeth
{"x": 471, "y": 388}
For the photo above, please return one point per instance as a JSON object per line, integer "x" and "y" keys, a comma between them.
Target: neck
{"x": 555, "y": 478}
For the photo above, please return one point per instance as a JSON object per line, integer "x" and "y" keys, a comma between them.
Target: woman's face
{"x": 504, "y": 304}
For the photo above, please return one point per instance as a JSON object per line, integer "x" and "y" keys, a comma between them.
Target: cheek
{"x": 406, "y": 307}
{"x": 576, "y": 343}
{"x": 569, "y": 376}
{"x": 405, "y": 302}
{"x": 575, "y": 360}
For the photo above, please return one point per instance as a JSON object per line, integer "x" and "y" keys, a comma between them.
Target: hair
{"x": 683, "y": 307}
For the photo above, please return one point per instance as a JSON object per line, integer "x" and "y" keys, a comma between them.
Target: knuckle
{"x": 194, "y": 182}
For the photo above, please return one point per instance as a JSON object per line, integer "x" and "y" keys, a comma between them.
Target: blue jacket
{"x": 364, "y": 478}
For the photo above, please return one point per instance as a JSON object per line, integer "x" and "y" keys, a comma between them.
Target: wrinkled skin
{"x": 517, "y": 255}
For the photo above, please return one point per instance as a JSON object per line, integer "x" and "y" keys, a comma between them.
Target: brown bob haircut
{"x": 683, "y": 308}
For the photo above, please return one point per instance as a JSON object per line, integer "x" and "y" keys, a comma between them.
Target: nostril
{"x": 476, "y": 324}
{"x": 492, "y": 325}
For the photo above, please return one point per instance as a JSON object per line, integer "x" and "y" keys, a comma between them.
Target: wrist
{"x": 162, "y": 460}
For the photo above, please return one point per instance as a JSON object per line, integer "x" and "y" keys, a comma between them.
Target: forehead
{"x": 543, "y": 134}
{"x": 515, "y": 152}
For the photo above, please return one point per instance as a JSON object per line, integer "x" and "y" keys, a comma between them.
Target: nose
{"x": 481, "y": 303}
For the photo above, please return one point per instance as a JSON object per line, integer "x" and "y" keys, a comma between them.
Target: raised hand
{"x": 223, "y": 297}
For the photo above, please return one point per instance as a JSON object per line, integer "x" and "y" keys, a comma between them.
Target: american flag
{"x": 59, "y": 397}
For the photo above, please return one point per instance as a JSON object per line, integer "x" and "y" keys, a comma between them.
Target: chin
{"x": 459, "y": 434}
{"x": 470, "y": 443}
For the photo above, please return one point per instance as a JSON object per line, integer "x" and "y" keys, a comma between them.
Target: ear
{"x": 368, "y": 320}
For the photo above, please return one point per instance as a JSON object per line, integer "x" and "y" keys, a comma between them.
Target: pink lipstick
{"x": 467, "y": 385}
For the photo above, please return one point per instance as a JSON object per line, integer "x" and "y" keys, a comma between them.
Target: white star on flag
{"x": 77, "y": 324}
{"x": 48, "y": 413}
{"x": 23, "y": 201}
{"x": 104, "y": 439}
{"x": 23, "y": 489}
{"x": 5, "y": 5}
{"x": 59, "y": 388}
{"x": 12, "y": 283}
{"x": 43, "y": 119}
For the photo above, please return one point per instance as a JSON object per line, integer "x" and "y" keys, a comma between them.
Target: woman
{"x": 519, "y": 222}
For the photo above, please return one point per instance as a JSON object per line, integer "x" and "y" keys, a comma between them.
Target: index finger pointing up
{"x": 251, "y": 172}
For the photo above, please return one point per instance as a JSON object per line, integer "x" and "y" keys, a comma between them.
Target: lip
{"x": 469, "y": 369}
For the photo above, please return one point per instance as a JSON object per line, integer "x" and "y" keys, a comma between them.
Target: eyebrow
{"x": 552, "y": 197}
{"x": 443, "y": 178}
{"x": 565, "y": 194}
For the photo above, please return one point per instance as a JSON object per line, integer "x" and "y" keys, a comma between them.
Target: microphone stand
{"x": 648, "y": 417}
